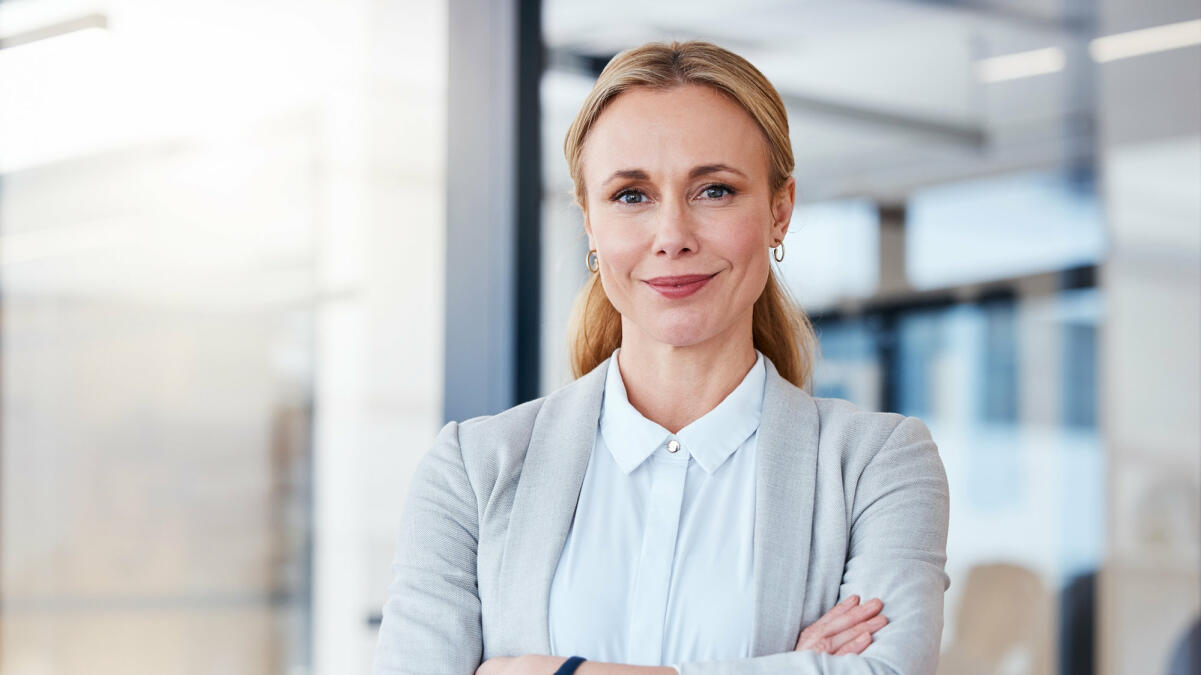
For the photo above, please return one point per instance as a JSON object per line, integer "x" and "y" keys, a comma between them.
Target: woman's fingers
{"x": 808, "y": 635}
{"x": 847, "y": 626}
{"x": 863, "y": 630}
{"x": 839, "y": 619}
{"x": 856, "y": 646}
{"x": 841, "y": 608}
{"x": 856, "y": 615}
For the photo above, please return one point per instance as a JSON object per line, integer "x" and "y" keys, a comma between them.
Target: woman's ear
{"x": 782, "y": 207}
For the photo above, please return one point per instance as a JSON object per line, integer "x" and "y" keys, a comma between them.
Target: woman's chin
{"x": 684, "y": 334}
{"x": 680, "y": 327}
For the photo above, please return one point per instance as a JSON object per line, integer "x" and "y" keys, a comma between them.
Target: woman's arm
{"x": 431, "y": 618}
{"x": 897, "y": 553}
{"x": 845, "y": 629}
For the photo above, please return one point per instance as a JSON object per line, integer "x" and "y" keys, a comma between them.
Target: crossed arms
{"x": 896, "y": 552}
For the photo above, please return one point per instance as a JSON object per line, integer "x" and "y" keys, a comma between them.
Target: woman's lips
{"x": 681, "y": 286}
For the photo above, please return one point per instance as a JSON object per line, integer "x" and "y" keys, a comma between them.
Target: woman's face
{"x": 680, "y": 212}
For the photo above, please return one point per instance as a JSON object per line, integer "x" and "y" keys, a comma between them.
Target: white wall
{"x": 1150, "y": 151}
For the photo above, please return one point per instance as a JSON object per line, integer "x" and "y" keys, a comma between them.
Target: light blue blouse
{"x": 656, "y": 569}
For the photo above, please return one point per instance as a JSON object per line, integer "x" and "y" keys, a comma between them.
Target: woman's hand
{"x": 846, "y": 629}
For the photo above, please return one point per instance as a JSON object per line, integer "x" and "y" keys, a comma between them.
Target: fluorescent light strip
{"x": 1145, "y": 41}
{"x": 54, "y": 30}
{"x": 1021, "y": 64}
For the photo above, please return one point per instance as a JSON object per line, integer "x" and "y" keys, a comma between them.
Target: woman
{"x": 684, "y": 505}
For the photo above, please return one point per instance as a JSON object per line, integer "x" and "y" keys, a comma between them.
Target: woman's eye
{"x": 718, "y": 191}
{"x": 630, "y": 197}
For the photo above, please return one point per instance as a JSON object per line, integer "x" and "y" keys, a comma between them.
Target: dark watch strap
{"x": 570, "y": 665}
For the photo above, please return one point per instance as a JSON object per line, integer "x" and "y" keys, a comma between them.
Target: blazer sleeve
{"x": 431, "y": 617}
{"x": 897, "y": 552}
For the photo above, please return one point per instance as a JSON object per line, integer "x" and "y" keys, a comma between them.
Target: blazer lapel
{"x": 544, "y": 505}
{"x": 785, "y": 479}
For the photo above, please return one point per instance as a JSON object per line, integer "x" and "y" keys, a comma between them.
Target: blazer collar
{"x": 549, "y": 488}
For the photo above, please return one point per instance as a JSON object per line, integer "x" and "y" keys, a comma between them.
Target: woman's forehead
{"x": 669, "y": 132}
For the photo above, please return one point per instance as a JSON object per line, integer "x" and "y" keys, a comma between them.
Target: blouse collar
{"x": 711, "y": 440}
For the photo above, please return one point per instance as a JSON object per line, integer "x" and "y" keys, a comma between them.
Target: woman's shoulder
{"x": 509, "y": 429}
{"x": 860, "y": 432}
{"x": 505, "y": 436}
{"x": 841, "y": 413}
{"x": 838, "y": 420}
{"x": 879, "y": 453}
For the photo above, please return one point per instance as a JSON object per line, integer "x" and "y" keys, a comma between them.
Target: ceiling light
{"x": 86, "y": 23}
{"x": 1145, "y": 41}
{"x": 1021, "y": 64}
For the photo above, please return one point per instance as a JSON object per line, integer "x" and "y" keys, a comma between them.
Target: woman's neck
{"x": 674, "y": 386}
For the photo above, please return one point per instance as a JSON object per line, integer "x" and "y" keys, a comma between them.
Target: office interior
{"x": 253, "y": 255}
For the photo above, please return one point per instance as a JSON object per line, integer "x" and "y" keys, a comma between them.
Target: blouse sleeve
{"x": 431, "y": 617}
{"x": 897, "y": 553}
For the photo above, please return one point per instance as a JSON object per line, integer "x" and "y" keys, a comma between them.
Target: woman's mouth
{"x": 681, "y": 286}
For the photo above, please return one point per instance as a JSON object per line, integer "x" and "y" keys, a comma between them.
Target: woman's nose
{"x": 675, "y": 233}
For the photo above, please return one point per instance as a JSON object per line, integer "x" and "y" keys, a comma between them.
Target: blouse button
{"x": 673, "y": 446}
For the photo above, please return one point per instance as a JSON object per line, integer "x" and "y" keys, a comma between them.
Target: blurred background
{"x": 254, "y": 253}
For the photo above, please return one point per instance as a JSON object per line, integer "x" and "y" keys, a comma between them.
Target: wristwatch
{"x": 570, "y": 665}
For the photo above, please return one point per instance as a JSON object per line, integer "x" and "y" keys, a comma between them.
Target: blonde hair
{"x": 780, "y": 328}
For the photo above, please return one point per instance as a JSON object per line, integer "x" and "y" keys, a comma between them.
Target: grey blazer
{"x": 846, "y": 502}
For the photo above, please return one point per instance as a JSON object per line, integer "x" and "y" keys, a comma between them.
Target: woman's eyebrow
{"x": 702, "y": 170}
{"x": 706, "y": 169}
{"x": 633, "y": 174}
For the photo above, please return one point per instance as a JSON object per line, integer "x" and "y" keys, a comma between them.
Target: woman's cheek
{"x": 615, "y": 287}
